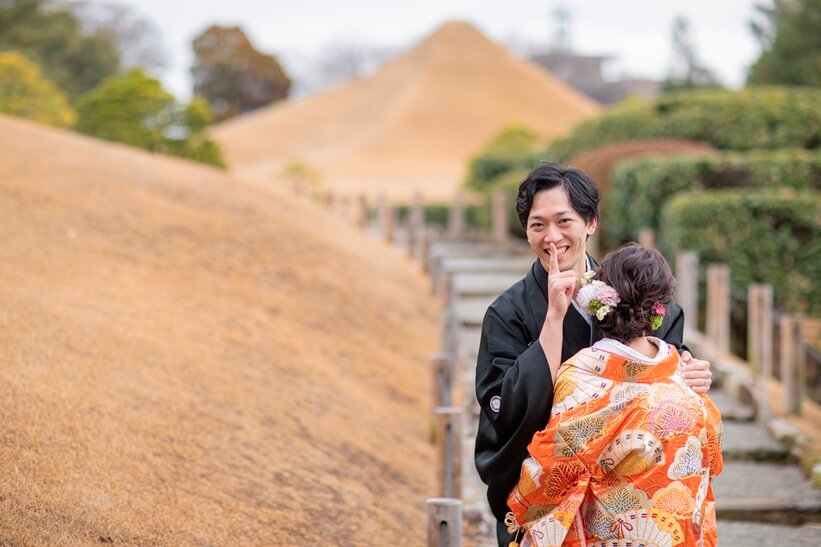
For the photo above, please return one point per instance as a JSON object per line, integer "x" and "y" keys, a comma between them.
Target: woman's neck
{"x": 643, "y": 345}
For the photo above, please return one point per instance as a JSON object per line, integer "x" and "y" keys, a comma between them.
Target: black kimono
{"x": 513, "y": 383}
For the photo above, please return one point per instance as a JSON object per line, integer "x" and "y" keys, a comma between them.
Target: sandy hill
{"x": 189, "y": 359}
{"x": 412, "y": 125}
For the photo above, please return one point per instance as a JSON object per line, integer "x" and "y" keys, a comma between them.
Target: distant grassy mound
{"x": 189, "y": 359}
{"x": 413, "y": 125}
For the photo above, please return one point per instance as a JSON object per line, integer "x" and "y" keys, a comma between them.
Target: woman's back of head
{"x": 644, "y": 283}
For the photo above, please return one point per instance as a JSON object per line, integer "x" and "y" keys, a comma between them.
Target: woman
{"x": 629, "y": 451}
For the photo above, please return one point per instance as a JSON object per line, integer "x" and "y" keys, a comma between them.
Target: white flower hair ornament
{"x": 596, "y": 297}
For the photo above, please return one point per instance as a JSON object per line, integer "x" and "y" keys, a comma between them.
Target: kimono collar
{"x": 622, "y": 369}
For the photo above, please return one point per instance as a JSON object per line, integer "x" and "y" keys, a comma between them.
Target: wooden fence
{"x": 773, "y": 338}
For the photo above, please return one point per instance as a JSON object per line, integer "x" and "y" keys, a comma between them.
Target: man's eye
{"x": 535, "y": 225}
{"x": 565, "y": 220}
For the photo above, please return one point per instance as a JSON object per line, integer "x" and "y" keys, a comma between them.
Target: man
{"x": 534, "y": 326}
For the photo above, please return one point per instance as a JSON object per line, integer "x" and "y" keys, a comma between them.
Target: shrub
{"x": 135, "y": 109}
{"x": 764, "y": 117}
{"x": 639, "y": 188}
{"x": 765, "y": 235}
{"x": 25, "y": 93}
{"x": 512, "y": 148}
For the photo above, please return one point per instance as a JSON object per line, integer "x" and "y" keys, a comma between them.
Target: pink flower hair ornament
{"x": 657, "y": 310}
{"x": 596, "y": 297}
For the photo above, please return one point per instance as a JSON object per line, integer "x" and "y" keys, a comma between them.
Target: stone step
{"x": 488, "y": 264}
{"x": 471, "y": 311}
{"x": 751, "y": 442}
{"x": 766, "y": 492}
{"x": 731, "y": 409}
{"x": 746, "y": 534}
{"x": 481, "y": 284}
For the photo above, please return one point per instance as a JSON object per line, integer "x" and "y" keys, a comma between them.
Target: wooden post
{"x": 360, "y": 213}
{"x": 445, "y": 288}
{"x": 444, "y": 524}
{"x": 386, "y": 219}
{"x": 449, "y": 450}
{"x": 687, "y": 285}
{"x": 718, "y": 305}
{"x": 793, "y": 377}
{"x": 760, "y": 344}
{"x": 423, "y": 248}
{"x": 415, "y": 223}
{"x": 760, "y": 329}
{"x": 647, "y": 238}
{"x": 410, "y": 236}
{"x": 343, "y": 208}
{"x": 450, "y": 341}
{"x": 456, "y": 218}
{"x": 440, "y": 383}
{"x": 766, "y": 332}
{"x": 417, "y": 211}
{"x": 498, "y": 216}
{"x": 328, "y": 200}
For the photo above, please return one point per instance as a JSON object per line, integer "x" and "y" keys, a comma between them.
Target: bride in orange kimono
{"x": 629, "y": 451}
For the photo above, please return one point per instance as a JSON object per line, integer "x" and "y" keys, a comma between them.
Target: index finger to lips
{"x": 554, "y": 261}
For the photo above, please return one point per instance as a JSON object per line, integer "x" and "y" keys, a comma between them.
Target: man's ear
{"x": 591, "y": 227}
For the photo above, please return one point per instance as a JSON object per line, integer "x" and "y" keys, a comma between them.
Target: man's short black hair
{"x": 580, "y": 189}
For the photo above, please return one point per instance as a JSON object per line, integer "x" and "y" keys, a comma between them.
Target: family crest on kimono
{"x": 629, "y": 452}
{"x": 534, "y": 326}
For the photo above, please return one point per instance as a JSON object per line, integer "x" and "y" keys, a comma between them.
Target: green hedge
{"x": 477, "y": 217}
{"x": 765, "y": 235}
{"x": 513, "y": 147}
{"x": 762, "y": 117}
{"x": 639, "y": 188}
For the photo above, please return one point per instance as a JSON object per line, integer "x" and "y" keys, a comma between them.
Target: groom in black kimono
{"x": 534, "y": 326}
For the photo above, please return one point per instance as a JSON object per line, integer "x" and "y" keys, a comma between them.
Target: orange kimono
{"x": 625, "y": 460}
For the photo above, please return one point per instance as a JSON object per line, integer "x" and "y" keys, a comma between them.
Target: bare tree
{"x": 138, "y": 41}
{"x": 338, "y": 63}
{"x": 688, "y": 71}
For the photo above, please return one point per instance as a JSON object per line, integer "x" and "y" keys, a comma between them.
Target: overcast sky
{"x": 636, "y": 32}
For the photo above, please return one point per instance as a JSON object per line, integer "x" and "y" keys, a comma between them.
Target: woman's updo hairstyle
{"x": 642, "y": 277}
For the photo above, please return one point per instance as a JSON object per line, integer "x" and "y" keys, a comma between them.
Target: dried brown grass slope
{"x": 189, "y": 359}
{"x": 413, "y": 125}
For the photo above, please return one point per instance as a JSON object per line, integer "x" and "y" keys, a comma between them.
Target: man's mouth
{"x": 559, "y": 251}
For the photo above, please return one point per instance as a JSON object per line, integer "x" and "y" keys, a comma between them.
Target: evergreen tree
{"x": 789, "y": 32}
{"x": 135, "y": 109}
{"x": 50, "y": 35}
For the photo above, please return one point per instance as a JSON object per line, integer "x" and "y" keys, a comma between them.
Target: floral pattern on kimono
{"x": 626, "y": 458}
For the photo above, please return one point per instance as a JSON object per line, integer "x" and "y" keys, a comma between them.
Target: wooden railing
{"x": 765, "y": 327}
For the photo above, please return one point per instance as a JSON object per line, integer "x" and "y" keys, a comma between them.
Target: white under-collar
{"x": 617, "y": 348}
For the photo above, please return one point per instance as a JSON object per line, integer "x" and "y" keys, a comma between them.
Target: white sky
{"x": 636, "y": 32}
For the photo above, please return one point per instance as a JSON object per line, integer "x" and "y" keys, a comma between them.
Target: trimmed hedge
{"x": 638, "y": 188}
{"x": 514, "y": 147}
{"x": 477, "y": 217}
{"x": 755, "y": 117}
{"x": 765, "y": 235}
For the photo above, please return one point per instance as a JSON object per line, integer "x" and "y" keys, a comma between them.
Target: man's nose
{"x": 552, "y": 234}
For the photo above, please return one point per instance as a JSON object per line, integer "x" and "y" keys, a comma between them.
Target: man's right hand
{"x": 560, "y": 287}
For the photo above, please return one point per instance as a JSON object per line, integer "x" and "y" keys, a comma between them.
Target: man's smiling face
{"x": 552, "y": 219}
